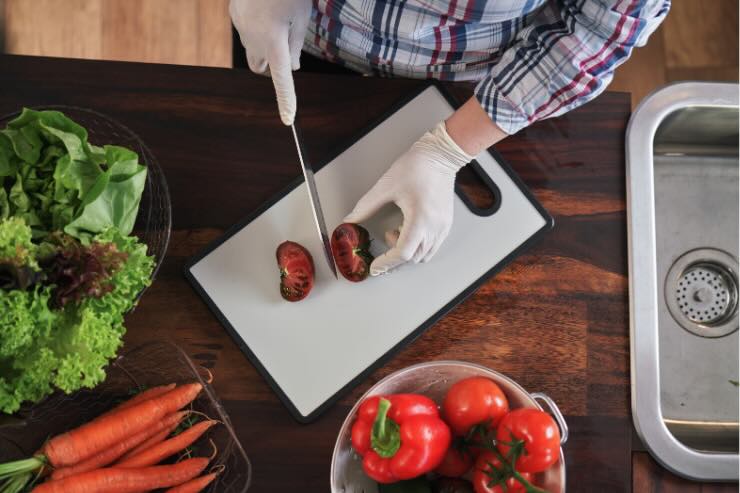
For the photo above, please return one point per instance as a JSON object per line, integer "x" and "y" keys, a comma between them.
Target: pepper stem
{"x": 385, "y": 439}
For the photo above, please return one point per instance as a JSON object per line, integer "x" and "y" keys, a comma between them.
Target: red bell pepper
{"x": 399, "y": 437}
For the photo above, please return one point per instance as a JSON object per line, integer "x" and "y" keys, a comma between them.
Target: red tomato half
{"x": 296, "y": 271}
{"x": 539, "y": 433}
{"x": 456, "y": 462}
{"x": 350, "y": 244}
{"x": 472, "y": 401}
{"x": 487, "y": 471}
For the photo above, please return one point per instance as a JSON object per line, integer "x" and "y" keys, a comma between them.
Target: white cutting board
{"x": 312, "y": 349}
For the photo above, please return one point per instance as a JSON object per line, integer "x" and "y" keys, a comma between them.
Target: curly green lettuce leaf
{"x": 87, "y": 340}
{"x": 16, "y": 246}
{"x": 30, "y": 382}
{"x": 25, "y": 364}
{"x": 67, "y": 349}
{"x": 25, "y": 317}
{"x": 133, "y": 276}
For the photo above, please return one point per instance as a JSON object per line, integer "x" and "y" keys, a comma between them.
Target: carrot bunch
{"x": 120, "y": 451}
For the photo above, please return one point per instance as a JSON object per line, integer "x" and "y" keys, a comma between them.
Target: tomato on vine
{"x": 457, "y": 461}
{"x": 531, "y": 438}
{"x": 491, "y": 476}
{"x": 474, "y": 401}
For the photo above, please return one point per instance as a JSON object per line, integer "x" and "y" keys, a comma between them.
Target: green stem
{"x": 385, "y": 438}
{"x": 529, "y": 487}
{"x": 16, "y": 484}
{"x": 479, "y": 435}
{"x": 17, "y": 467}
{"x": 509, "y": 463}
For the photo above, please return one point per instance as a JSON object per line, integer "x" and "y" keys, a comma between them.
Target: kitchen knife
{"x": 313, "y": 196}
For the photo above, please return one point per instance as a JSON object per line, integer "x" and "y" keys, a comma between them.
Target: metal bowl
{"x": 433, "y": 379}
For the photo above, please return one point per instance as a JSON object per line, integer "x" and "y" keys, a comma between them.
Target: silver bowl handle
{"x": 555, "y": 411}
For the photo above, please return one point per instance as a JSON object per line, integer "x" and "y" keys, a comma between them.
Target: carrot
{"x": 167, "y": 448}
{"x": 155, "y": 439}
{"x": 109, "y": 455}
{"x": 118, "y": 480}
{"x": 149, "y": 443}
{"x": 144, "y": 396}
{"x": 105, "y": 431}
{"x": 194, "y": 485}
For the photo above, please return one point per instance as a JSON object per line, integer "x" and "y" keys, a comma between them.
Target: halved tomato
{"x": 350, "y": 244}
{"x": 296, "y": 271}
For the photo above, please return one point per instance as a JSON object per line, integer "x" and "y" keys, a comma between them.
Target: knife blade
{"x": 313, "y": 195}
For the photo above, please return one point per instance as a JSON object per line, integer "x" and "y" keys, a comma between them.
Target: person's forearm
{"x": 472, "y": 129}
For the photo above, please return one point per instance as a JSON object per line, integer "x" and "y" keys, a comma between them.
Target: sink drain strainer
{"x": 704, "y": 294}
{"x": 701, "y": 292}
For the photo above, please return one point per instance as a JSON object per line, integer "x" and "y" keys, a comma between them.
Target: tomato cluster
{"x": 498, "y": 449}
{"x": 502, "y": 447}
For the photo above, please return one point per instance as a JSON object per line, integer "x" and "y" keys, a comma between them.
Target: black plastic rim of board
{"x": 549, "y": 223}
{"x": 489, "y": 184}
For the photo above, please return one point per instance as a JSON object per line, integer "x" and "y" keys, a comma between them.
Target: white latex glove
{"x": 272, "y": 32}
{"x": 422, "y": 183}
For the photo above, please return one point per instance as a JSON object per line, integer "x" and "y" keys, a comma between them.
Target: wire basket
{"x": 152, "y": 364}
{"x": 154, "y": 219}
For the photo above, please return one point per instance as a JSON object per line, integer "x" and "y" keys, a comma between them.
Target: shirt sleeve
{"x": 565, "y": 57}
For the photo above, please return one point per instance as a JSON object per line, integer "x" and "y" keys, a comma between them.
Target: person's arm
{"x": 565, "y": 58}
{"x": 472, "y": 129}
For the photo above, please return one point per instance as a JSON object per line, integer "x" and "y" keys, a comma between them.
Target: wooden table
{"x": 555, "y": 320}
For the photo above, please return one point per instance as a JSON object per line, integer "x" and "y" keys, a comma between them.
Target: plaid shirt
{"x": 533, "y": 59}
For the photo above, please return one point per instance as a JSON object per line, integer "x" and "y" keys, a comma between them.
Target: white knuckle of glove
{"x": 272, "y": 32}
{"x": 422, "y": 184}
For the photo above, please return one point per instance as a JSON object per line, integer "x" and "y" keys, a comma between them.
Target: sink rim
{"x": 643, "y": 295}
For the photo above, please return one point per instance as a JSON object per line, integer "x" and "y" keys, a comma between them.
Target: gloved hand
{"x": 422, "y": 184}
{"x": 272, "y": 32}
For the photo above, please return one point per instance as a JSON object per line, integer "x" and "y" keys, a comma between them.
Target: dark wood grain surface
{"x": 555, "y": 320}
{"x": 649, "y": 477}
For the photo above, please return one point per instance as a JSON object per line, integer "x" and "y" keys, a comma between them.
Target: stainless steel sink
{"x": 682, "y": 205}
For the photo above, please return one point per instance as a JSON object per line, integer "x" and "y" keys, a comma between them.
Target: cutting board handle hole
{"x": 477, "y": 191}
